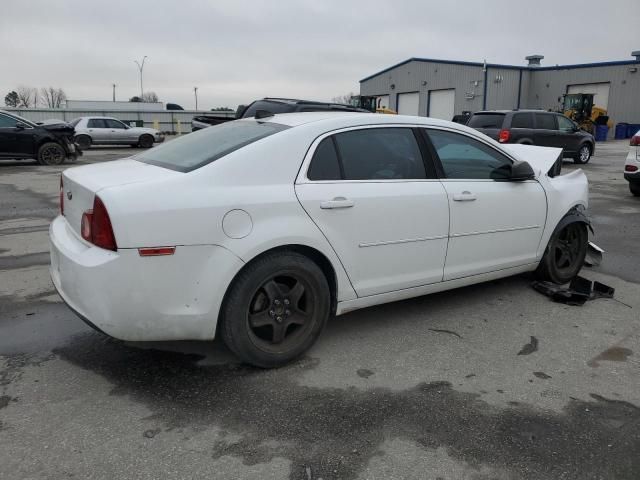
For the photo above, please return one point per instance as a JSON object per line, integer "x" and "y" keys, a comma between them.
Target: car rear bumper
{"x": 174, "y": 297}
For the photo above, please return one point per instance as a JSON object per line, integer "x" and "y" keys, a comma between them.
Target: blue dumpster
{"x": 601, "y": 133}
{"x": 632, "y": 128}
{"x": 621, "y": 131}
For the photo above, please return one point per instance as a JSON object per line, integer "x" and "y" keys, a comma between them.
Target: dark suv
{"x": 273, "y": 105}
{"x": 536, "y": 127}
{"x": 48, "y": 144}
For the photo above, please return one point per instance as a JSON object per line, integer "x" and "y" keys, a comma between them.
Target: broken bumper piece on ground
{"x": 577, "y": 293}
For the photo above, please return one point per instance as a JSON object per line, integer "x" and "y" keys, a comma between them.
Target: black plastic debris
{"x": 577, "y": 293}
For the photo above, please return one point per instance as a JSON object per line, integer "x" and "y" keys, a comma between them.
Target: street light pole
{"x": 195, "y": 92}
{"x": 140, "y": 67}
{"x": 114, "y": 92}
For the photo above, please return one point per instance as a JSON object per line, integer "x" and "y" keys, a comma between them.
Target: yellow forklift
{"x": 370, "y": 103}
{"x": 579, "y": 107}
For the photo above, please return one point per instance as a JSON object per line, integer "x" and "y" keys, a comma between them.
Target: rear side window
{"x": 522, "y": 120}
{"x": 380, "y": 154}
{"x": 545, "y": 121}
{"x": 96, "y": 123}
{"x": 325, "y": 164}
{"x": 207, "y": 145}
{"x": 486, "y": 120}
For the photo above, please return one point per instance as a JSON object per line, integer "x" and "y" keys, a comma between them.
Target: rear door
{"x": 494, "y": 225}
{"x": 97, "y": 129}
{"x": 379, "y": 205}
{"x": 546, "y": 133}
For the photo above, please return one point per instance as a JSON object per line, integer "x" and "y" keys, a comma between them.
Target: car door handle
{"x": 465, "y": 196}
{"x": 337, "y": 202}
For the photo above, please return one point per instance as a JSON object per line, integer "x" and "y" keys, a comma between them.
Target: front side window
{"x": 96, "y": 123}
{"x": 209, "y": 144}
{"x": 545, "y": 121}
{"x": 466, "y": 158}
{"x": 111, "y": 123}
{"x": 7, "y": 122}
{"x": 565, "y": 124}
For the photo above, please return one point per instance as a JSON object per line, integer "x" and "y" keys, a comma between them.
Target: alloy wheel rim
{"x": 584, "y": 154}
{"x": 280, "y": 313}
{"x": 567, "y": 248}
{"x": 51, "y": 155}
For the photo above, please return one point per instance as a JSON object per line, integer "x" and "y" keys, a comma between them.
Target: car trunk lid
{"x": 81, "y": 184}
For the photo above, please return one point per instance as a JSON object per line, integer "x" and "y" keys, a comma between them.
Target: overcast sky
{"x": 236, "y": 51}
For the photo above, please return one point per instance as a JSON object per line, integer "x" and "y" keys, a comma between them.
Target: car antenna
{"x": 263, "y": 114}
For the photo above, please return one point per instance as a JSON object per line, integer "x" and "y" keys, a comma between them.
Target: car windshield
{"x": 200, "y": 148}
{"x": 486, "y": 120}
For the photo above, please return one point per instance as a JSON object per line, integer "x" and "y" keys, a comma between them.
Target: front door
{"x": 117, "y": 131}
{"x": 494, "y": 224}
{"x": 369, "y": 193}
{"x": 547, "y": 133}
{"x": 15, "y": 142}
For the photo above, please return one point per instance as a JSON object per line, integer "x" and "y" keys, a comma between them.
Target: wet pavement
{"x": 492, "y": 381}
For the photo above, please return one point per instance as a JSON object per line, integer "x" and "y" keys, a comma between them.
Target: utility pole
{"x": 114, "y": 91}
{"x": 195, "y": 92}
{"x": 140, "y": 67}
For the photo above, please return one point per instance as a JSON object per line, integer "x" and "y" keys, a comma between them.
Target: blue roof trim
{"x": 497, "y": 65}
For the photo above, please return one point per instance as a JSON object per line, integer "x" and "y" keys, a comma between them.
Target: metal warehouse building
{"x": 444, "y": 88}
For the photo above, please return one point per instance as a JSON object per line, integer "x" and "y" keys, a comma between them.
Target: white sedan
{"x": 111, "y": 131}
{"x": 264, "y": 227}
{"x": 632, "y": 165}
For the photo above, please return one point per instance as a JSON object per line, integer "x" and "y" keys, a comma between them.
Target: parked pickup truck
{"x": 272, "y": 105}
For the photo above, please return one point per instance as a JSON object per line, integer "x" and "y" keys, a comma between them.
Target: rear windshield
{"x": 486, "y": 120}
{"x": 200, "y": 148}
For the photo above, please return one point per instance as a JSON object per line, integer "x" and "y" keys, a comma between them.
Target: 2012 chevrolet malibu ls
{"x": 266, "y": 226}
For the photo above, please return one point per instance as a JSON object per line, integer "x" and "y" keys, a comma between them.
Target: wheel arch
{"x": 313, "y": 254}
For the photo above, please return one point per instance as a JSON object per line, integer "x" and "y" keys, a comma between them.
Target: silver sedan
{"x": 110, "y": 131}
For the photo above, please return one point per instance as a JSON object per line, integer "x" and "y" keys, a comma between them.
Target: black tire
{"x": 565, "y": 254}
{"x": 634, "y": 188}
{"x": 145, "y": 141}
{"x": 51, "y": 153}
{"x": 83, "y": 142}
{"x": 275, "y": 309}
{"x": 583, "y": 155}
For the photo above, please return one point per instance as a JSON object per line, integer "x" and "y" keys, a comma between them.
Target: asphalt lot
{"x": 493, "y": 381}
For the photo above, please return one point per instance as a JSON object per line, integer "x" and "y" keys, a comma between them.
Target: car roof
{"x": 516, "y": 110}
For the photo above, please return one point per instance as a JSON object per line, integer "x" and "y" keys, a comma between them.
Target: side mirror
{"x": 20, "y": 126}
{"x": 517, "y": 172}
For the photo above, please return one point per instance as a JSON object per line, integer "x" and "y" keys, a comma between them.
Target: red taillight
{"x": 504, "y": 135}
{"x": 630, "y": 168}
{"x": 635, "y": 141}
{"x": 61, "y": 196}
{"x": 96, "y": 226}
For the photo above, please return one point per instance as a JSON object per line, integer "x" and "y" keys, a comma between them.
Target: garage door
{"x": 383, "y": 101}
{"x": 601, "y": 91}
{"x": 442, "y": 104}
{"x": 408, "y": 103}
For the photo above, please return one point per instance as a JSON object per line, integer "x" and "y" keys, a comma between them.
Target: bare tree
{"x": 149, "y": 97}
{"x": 52, "y": 97}
{"x": 27, "y": 96}
{"x": 346, "y": 99}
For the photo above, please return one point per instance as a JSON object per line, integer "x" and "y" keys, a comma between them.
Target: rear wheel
{"x": 634, "y": 188}
{"x": 275, "y": 309}
{"x": 565, "y": 254}
{"x": 83, "y": 141}
{"x": 51, "y": 153}
{"x": 584, "y": 154}
{"x": 145, "y": 141}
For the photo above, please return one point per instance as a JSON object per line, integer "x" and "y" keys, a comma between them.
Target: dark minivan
{"x": 536, "y": 127}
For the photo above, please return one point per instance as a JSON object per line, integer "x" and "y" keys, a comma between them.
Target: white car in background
{"x": 111, "y": 131}
{"x": 632, "y": 165}
{"x": 266, "y": 226}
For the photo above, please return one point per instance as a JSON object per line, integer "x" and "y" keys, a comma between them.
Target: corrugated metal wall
{"x": 539, "y": 88}
{"x": 624, "y": 94}
{"x": 167, "y": 119}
